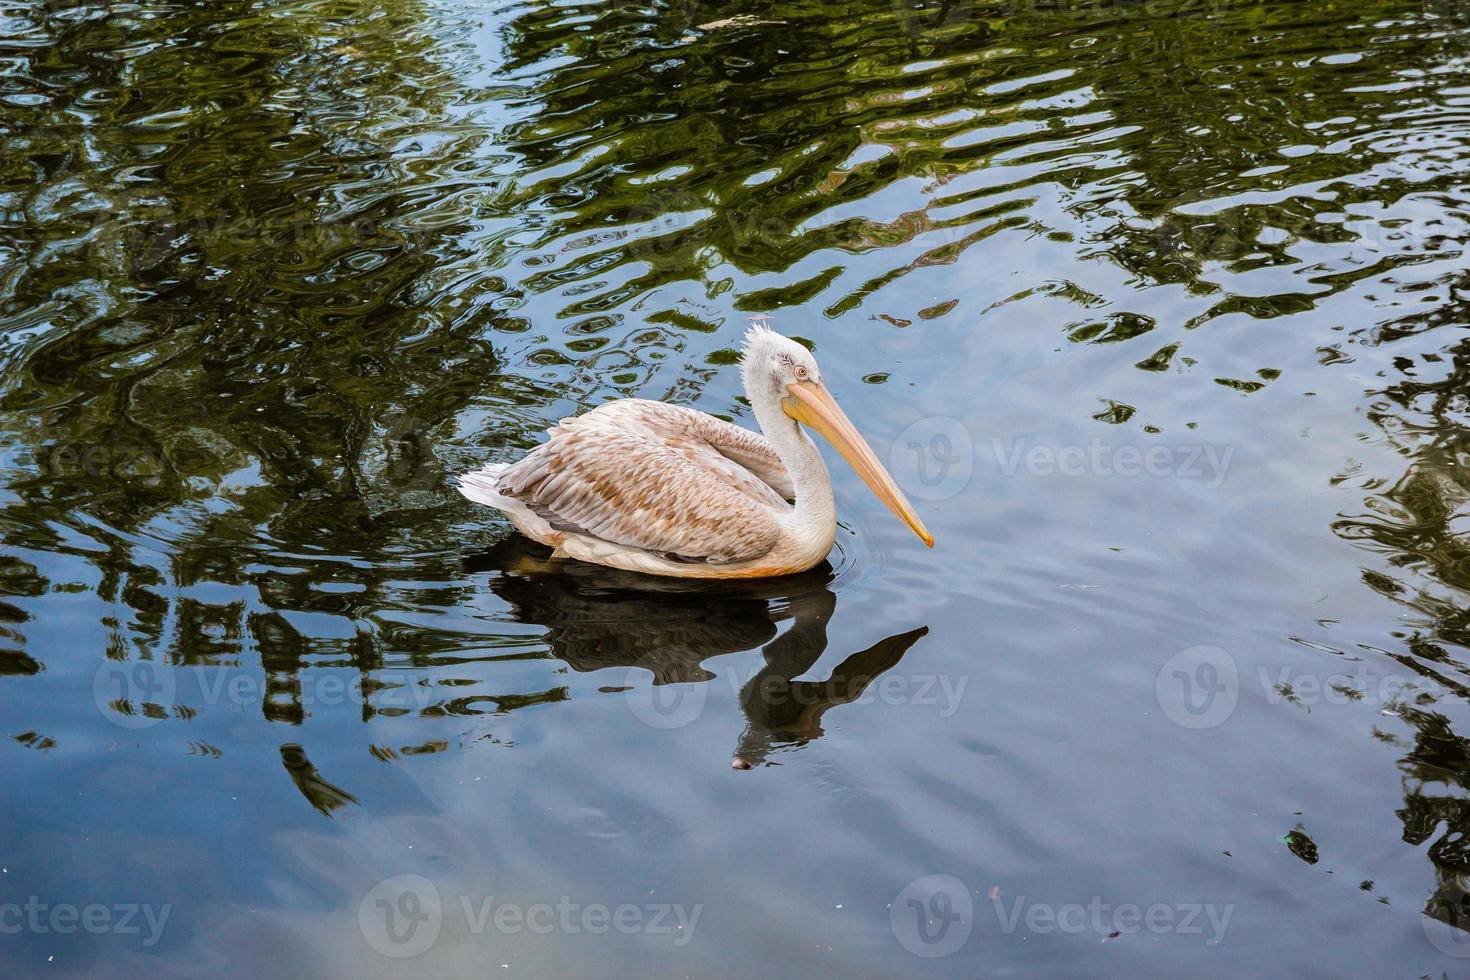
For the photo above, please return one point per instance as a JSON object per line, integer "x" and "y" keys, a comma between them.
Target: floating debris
{"x": 1301, "y": 845}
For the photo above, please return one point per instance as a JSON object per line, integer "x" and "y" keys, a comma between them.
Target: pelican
{"x": 649, "y": 487}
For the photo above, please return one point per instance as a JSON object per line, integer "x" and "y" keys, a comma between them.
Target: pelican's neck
{"x": 816, "y": 513}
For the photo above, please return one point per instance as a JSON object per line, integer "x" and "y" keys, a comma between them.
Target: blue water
{"x": 1156, "y": 311}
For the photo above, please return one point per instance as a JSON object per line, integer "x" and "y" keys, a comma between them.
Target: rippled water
{"x": 1157, "y": 309}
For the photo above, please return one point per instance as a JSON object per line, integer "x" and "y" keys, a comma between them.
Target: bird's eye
{"x": 801, "y": 372}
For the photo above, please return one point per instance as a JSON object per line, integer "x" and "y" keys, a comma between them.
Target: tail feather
{"x": 481, "y": 486}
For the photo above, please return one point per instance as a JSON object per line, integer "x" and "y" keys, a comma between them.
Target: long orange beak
{"x": 810, "y": 403}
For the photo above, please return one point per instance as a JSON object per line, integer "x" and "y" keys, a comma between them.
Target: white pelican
{"x": 655, "y": 488}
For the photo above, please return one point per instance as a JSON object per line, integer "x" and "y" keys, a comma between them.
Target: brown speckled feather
{"x": 668, "y": 480}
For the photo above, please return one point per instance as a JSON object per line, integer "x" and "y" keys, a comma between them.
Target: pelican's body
{"x": 655, "y": 488}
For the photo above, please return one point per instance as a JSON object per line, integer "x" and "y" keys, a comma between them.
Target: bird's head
{"x": 778, "y": 370}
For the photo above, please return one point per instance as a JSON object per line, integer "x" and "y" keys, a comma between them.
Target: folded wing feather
{"x": 657, "y": 477}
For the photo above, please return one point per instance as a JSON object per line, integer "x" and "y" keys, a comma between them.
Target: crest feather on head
{"x": 761, "y": 342}
{"x": 758, "y": 335}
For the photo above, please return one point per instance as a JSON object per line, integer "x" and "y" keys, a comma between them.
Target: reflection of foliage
{"x": 1412, "y": 523}
{"x": 679, "y": 151}
{"x": 1440, "y": 758}
{"x": 245, "y": 375}
{"x": 1413, "y": 520}
{"x": 322, "y": 794}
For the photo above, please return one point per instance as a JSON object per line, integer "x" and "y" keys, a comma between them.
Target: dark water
{"x": 1157, "y": 309}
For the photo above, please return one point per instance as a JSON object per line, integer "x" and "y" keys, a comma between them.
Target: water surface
{"x": 1156, "y": 309}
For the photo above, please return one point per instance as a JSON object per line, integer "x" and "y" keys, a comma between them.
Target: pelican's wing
{"x": 750, "y": 450}
{"x": 628, "y": 477}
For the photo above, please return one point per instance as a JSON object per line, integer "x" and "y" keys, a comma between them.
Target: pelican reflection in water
{"x": 596, "y": 619}
{"x": 648, "y": 487}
